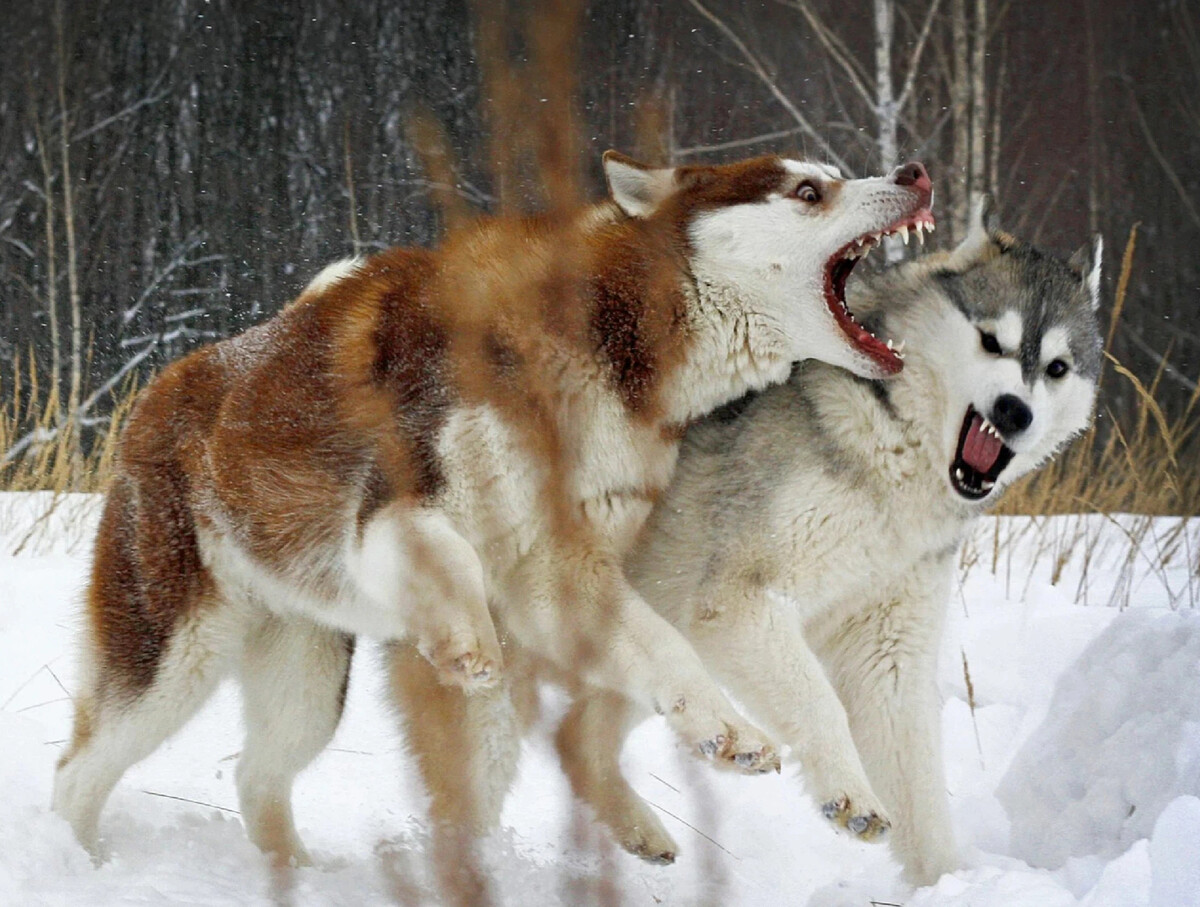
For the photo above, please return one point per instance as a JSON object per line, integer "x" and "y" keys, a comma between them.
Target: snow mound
{"x": 1120, "y": 742}
{"x": 1175, "y": 855}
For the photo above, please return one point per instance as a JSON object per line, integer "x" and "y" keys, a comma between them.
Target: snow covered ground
{"x": 1075, "y": 782}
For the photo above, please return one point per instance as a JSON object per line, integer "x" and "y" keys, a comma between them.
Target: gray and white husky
{"x": 807, "y": 542}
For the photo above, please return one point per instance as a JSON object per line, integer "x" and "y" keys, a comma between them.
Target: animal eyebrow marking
{"x": 949, "y": 283}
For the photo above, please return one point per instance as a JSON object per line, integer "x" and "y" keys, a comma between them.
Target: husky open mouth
{"x": 889, "y": 355}
{"x": 980, "y": 458}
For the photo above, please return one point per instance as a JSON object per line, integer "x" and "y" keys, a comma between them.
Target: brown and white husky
{"x": 423, "y": 435}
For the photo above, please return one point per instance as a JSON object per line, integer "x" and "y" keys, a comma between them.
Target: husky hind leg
{"x": 158, "y": 640}
{"x": 294, "y": 677}
{"x": 115, "y": 729}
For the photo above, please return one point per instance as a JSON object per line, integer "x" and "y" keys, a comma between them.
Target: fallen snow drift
{"x": 1120, "y": 742}
{"x": 173, "y": 828}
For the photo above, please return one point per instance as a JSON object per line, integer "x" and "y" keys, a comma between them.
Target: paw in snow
{"x": 863, "y": 822}
{"x": 652, "y": 845}
{"x": 746, "y": 752}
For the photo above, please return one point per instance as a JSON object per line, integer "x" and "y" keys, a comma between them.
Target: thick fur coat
{"x": 806, "y": 547}
{"x": 424, "y": 435}
{"x": 808, "y": 541}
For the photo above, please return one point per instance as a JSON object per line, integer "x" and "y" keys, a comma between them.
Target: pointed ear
{"x": 636, "y": 188}
{"x": 1087, "y": 262}
{"x": 983, "y": 238}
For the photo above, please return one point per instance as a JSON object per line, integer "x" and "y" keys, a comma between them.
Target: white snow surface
{"x": 1082, "y": 710}
{"x": 1121, "y": 740}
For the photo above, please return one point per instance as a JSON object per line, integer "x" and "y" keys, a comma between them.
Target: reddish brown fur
{"x": 706, "y": 188}
{"x": 342, "y": 396}
{"x": 146, "y": 570}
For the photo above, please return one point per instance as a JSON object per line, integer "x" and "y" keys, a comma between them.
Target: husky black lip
{"x": 837, "y": 271}
{"x": 979, "y": 458}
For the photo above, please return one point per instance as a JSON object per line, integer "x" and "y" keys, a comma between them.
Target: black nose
{"x": 1010, "y": 414}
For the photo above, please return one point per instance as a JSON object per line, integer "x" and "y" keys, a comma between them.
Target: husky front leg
{"x": 412, "y": 563}
{"x": 576, "y": 609}
{"x": 883, "y": 662}
{"x": 760, "y": 653}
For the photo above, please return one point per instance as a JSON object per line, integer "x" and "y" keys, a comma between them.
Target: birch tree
{"x": 69, "y": 216}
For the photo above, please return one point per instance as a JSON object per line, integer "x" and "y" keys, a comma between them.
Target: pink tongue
{"x": 980, "y": 449}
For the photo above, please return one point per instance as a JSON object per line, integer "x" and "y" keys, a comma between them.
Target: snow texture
{"x": 1121, "y": 741}
{"x": 1120, "y": 728}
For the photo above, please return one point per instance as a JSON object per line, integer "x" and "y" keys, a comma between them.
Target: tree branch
{"x": 915, "y": 60}
{"x": 805, "y": 126}
{"x": 738, "y": 143}
{"x": 1163, "y": 162}
{"x": 834, "y": 47}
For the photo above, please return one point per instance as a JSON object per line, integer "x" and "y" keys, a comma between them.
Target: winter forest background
{"x": 174, "y": 172}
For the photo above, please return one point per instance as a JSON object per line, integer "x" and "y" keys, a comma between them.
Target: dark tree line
{"x": 174, "y": 172}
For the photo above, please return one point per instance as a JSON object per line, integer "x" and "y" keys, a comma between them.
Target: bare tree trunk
{"x": 353, "y": 199}
{"x": 1094, "y": 123}
{"x": 885, "y": 99}
{"x": 672, "y": 145}
{"x": 51, "y": 256}
{"x": 979, "y": 119}
{"x": 960, "y": 99}
{"x": 886, "y": 111}
{"x": 69, "y": 218}
{"x": 993, "y": 182}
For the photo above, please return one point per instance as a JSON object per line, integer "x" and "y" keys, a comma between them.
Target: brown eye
{"x": 990, "y": 343}
{"x": 1057, "y": 368}
{"x": 807, "y": 192}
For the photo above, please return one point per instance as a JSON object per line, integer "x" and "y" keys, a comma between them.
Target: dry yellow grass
{"x": 41, "y": 448}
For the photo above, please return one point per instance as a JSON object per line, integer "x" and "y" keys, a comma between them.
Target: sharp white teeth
{"x": 903, "y": 231}
{"x": 889, "y": 344}
{"x": 987, "y": 484}
{"x": 930, "y": 226}
{"x": 958, "y": 473}
{"x": 900, "y": 347}
{"x": 920, "y": 235}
